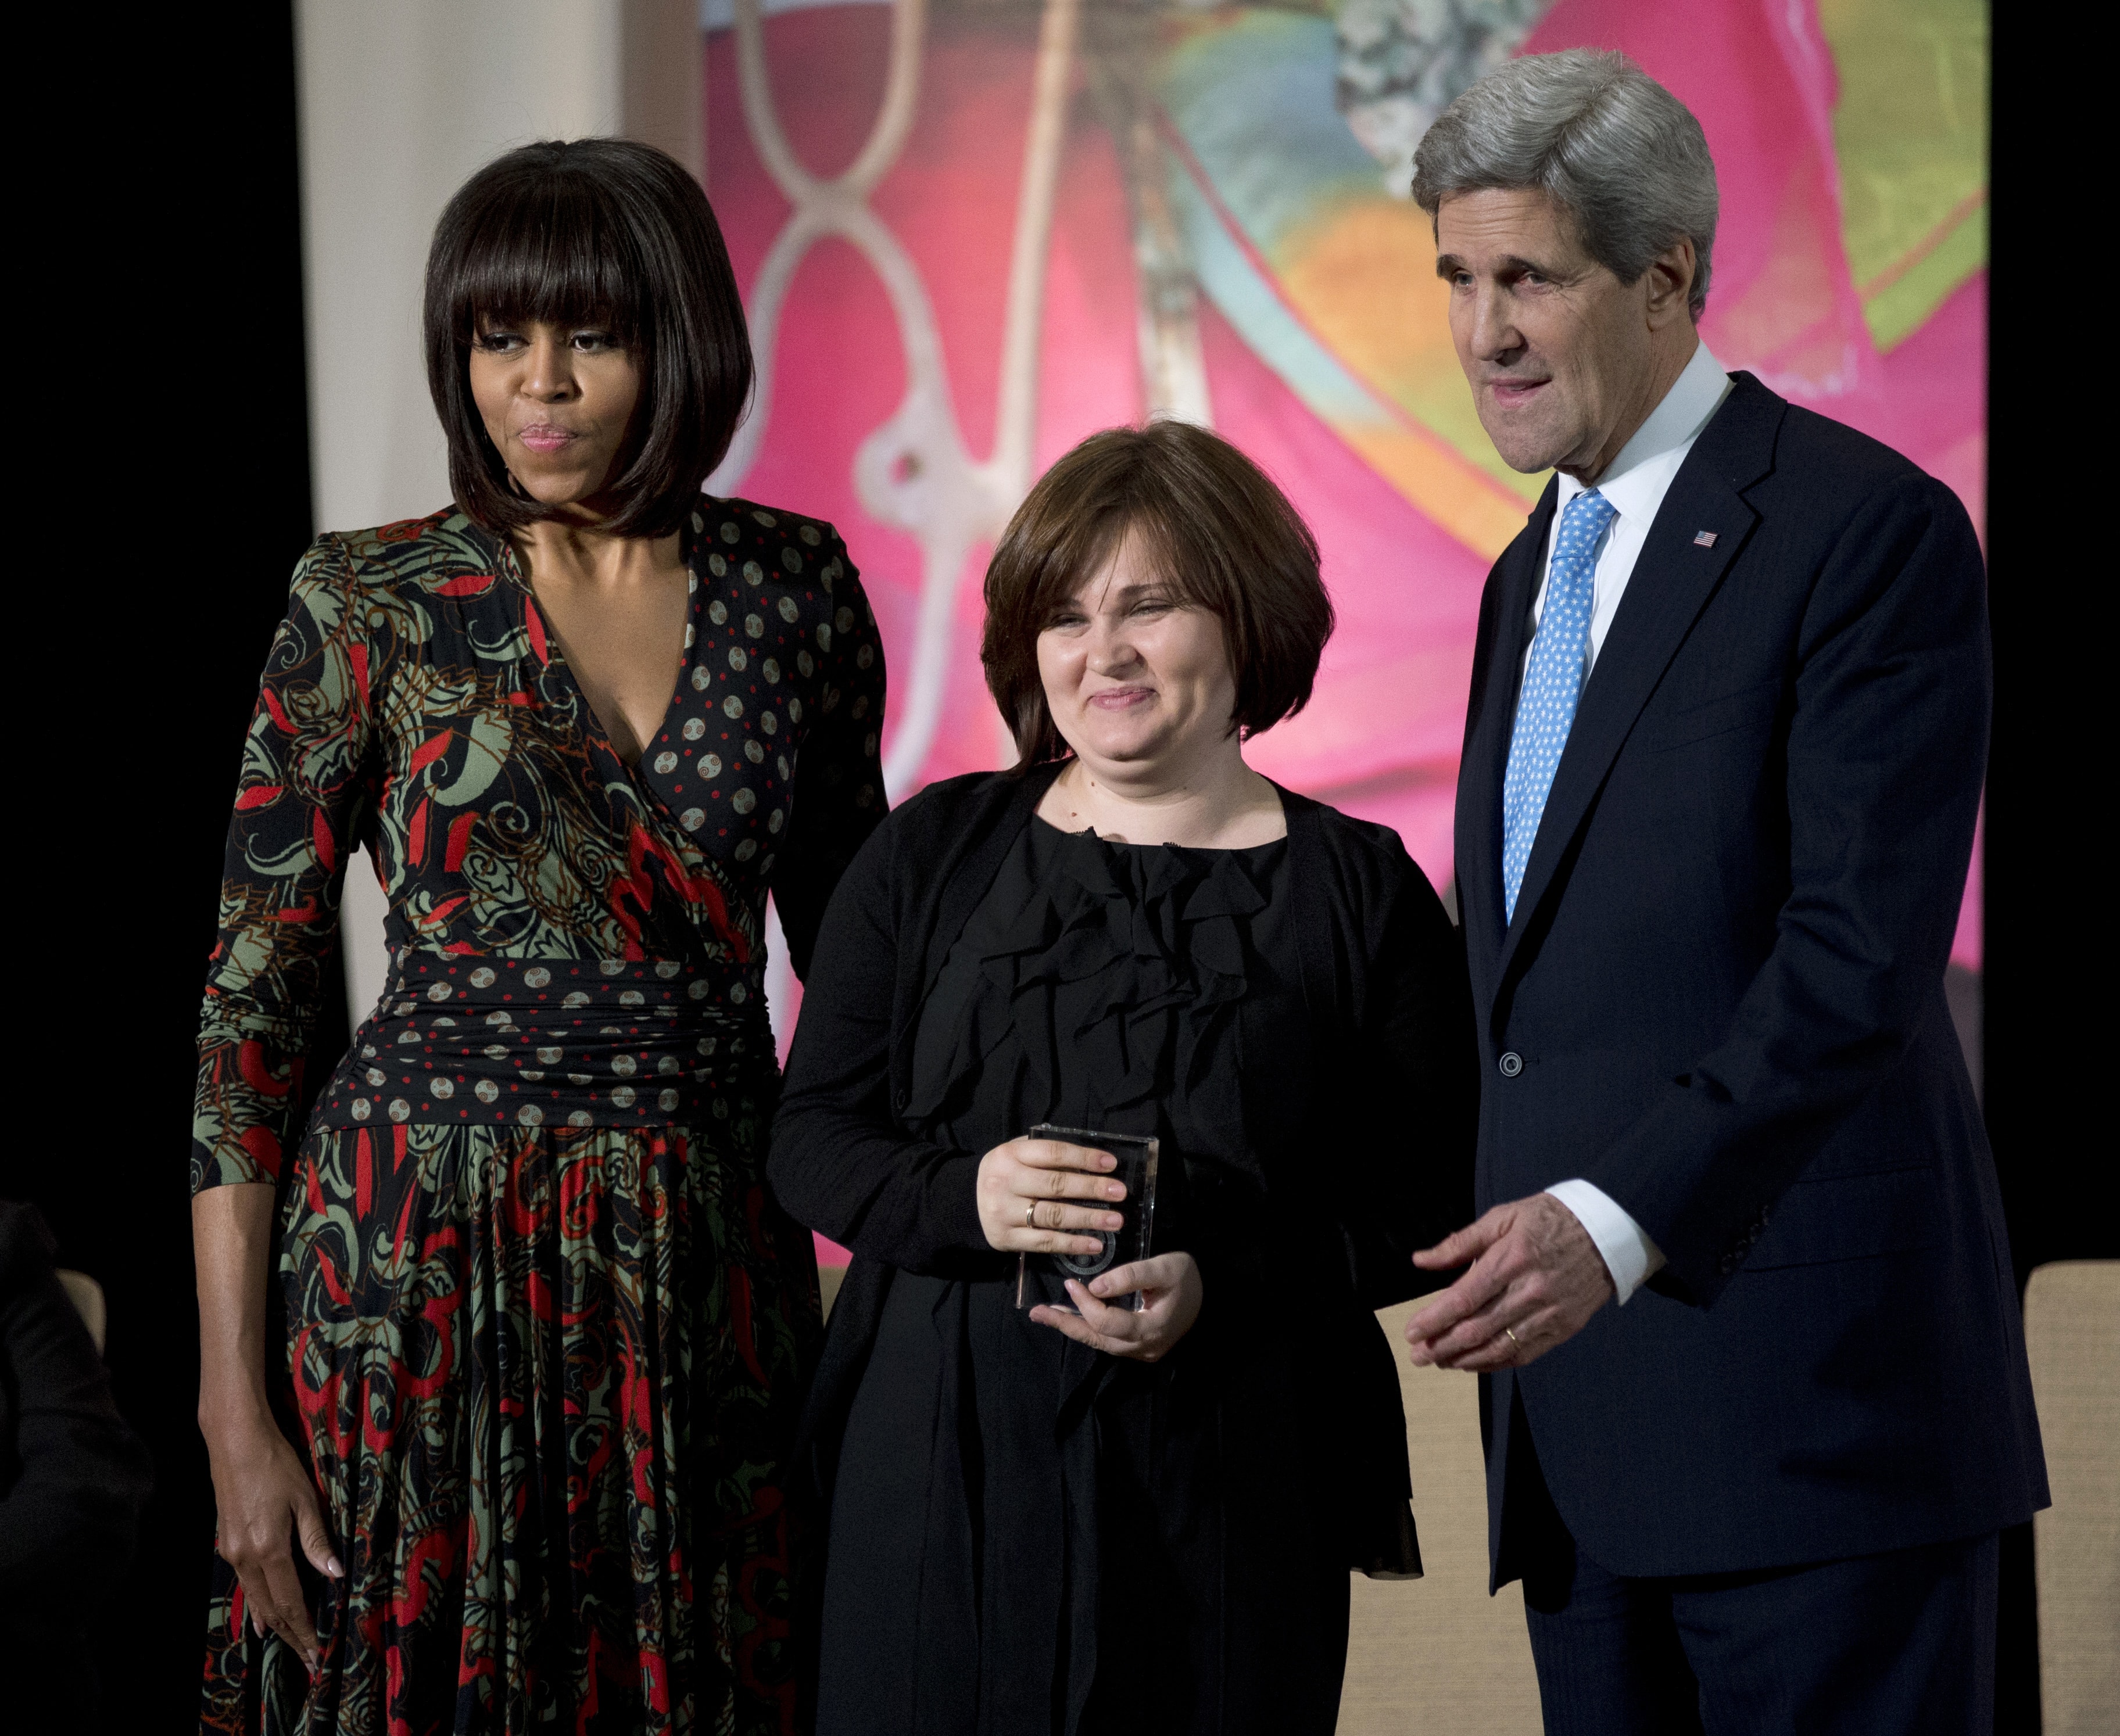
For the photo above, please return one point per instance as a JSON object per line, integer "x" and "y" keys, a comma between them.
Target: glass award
{"x": 1041, "y": 1277}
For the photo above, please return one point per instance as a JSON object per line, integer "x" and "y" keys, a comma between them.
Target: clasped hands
{"x": 1536, "y": 1279}
{"x": 1043, "y": 1196}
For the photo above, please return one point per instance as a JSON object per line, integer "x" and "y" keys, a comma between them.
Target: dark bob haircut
{"x": 600, "y": 231}
{"x": 1220, "y": 534}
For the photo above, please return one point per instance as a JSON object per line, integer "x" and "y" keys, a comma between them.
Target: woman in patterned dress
{"x": 537, "y": 1328}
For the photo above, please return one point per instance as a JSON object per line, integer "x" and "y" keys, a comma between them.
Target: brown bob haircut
{"x": 605, "y": 231}
{"x": 1219, "y": 533}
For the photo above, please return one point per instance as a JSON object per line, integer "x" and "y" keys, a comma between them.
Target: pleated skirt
{"x": 547, "y": 1379}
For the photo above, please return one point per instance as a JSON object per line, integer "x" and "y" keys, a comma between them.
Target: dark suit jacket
{"x": 1722, "y": 1001}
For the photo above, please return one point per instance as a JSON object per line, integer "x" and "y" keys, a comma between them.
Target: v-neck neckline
{"x": 556, "y": 656}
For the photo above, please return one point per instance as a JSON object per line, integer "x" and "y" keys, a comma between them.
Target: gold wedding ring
{"x": 1030, "y": 1216}
{"x": 1514, "y": 1338}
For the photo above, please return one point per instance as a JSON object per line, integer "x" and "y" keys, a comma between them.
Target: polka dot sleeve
{"x": 839, "y": 797}
{"x": 298, "y": 801}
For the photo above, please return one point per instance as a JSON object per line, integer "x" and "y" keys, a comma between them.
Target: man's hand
{"x": 1537, "y": 1278}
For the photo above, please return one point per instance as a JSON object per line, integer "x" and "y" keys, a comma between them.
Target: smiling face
{"x": 1137, "y": 679}
{"x": 1564, "y": 360}
{"x": 558, "y": 402}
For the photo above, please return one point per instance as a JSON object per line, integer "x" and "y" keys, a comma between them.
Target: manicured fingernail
{"x": 332, "y": 1567}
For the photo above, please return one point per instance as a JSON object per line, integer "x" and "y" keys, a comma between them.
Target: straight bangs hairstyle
{"x": 1217, "y": 531}
{"x": 605, "y": 232}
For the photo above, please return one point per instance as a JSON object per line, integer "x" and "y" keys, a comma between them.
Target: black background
{"x": 164, "y": 495}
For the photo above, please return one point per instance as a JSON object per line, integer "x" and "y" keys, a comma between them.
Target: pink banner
{"x": 969, "y": 237}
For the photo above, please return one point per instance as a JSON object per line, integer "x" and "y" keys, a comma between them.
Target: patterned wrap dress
{"x": 545, "y": 1332}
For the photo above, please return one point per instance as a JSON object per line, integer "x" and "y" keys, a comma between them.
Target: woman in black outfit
{"x": 1079, "y": 1517}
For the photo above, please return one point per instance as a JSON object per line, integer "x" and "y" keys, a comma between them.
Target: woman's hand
{"x": 1170, "y": 1284}
{"x": 263, "y": 1492}
{"x": 1024, "y": 1188}
{"x": 263, "y": 1495}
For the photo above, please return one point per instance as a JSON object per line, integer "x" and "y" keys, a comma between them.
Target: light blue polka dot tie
{"x": 1552, "y": 683}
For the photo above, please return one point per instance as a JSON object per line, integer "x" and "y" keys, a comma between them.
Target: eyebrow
{"x": 1511, "y": 263}
{"x": 1123, "y": 594}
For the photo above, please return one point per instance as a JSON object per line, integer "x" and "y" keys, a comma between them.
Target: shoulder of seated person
{"x": 26, "y": 1247}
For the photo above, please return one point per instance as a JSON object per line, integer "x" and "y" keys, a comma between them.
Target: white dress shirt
{"x": 1639, "y": 478}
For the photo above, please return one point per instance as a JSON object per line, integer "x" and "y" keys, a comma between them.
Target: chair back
{"x": 86, "y": 1295}
{"x": 2072, "y": 1332}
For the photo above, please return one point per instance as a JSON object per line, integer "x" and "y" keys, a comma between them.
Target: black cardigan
{"x": 1383, "y": 971}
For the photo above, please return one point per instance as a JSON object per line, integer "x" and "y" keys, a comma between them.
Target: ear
{"x": 1671, "y": 284}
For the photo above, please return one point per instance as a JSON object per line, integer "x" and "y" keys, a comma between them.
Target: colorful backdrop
{"x": 971, "y": 233}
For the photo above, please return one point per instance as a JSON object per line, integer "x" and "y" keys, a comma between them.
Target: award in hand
{"x": 1135, "y": 1154}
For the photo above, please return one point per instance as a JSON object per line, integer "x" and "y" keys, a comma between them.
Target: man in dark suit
{"x": 1755, "y": 1392}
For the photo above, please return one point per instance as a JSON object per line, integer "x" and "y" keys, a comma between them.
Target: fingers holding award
{"x": 1044, "y": 1194}
{"x": 1140, "y": 1310}
{"x": 1122, "y": 1234}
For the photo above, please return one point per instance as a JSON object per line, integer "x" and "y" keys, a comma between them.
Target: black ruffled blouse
{"x": 1098, "y": 986}
{"x": 1027, "y": 1534}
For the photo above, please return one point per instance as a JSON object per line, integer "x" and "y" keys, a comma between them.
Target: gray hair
{"x": 1598, "y": 135}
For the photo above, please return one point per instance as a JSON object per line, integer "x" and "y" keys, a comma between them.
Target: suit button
{"x": 1511, "y": 1064}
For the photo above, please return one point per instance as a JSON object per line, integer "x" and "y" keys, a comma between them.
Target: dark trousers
{"x": 1901, "y": 1644}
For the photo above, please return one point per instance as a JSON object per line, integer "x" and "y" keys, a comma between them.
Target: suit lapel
{"x": 1671, "y": 584}
{"x": 1488, "y": 723}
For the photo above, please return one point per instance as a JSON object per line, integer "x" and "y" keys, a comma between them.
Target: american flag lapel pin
{"x": 1704, "y": 539}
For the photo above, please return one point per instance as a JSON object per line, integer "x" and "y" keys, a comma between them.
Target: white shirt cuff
{"x": 1630, "y": 1256}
